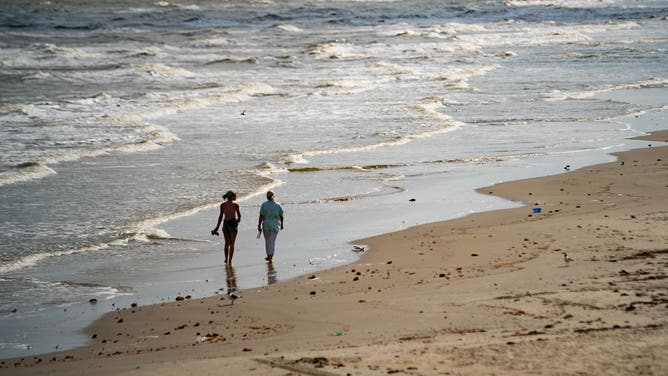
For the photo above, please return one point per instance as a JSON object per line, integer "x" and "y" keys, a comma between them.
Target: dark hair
{"x": 270, "y": 195}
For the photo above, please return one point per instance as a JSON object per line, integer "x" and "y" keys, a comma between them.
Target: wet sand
{"x": 487, "y": 293}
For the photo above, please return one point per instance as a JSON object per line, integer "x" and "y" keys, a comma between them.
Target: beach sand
{"x": 489, "y": 293}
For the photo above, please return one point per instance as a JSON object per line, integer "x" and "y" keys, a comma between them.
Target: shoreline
{"x": 337, "y": 311}
{"x": 310, "y": 249}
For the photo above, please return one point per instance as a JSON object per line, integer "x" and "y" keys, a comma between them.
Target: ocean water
{"x": 122, "y": 123}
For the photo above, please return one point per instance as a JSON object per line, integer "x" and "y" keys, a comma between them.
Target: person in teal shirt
{"x": 270, "y": 223}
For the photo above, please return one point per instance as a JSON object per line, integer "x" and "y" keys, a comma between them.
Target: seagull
{"x": 232, "y": 296}
{"x": 243, "y": 113}
{"x": 568, "y": 167}
{"x": 567, "y": 259}
{"x": 357, "y": 248}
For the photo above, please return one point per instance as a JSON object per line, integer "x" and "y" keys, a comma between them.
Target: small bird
{"x": 243, "y": 113}
{"x": 232, "y": 296}
{"x": 567, "y": 259}
{"x": 357, "y": 248}
{"x": 568, "y": 167}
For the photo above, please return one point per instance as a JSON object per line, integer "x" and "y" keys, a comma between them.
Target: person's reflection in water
{"x": 271, "y": 274}
{"x": 231, "y": 278}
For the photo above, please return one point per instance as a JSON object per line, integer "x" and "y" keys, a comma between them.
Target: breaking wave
{"x": 286, "y": 27}
{"x": 154, "y": 137}
{"x": 441, "y": 123}
{"x": 649, "y": 83}
{"x": 457, "y": 79}
{"x": 230, "y": 60}
{"x": 338, "y": 49}
{"x": 25, "y": 172}
{"x": 32, "y": 260}
{"x": 162, "y": 70}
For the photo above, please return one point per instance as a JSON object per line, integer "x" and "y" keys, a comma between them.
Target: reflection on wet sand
{"x": 271, "y": 274}
{"x": 230, "y": 279}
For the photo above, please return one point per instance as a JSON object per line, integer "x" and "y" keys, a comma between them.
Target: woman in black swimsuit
{"x": 230, "y": 216}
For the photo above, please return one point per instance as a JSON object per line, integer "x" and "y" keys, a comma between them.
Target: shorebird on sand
{"x": 567, "y": 259}
{"x": 232, "y": 296}
{"x": 357, "y": 248}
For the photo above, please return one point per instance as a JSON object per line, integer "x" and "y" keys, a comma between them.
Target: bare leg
{"x": 233, "y": 239}
{"x": 228, "y": 242}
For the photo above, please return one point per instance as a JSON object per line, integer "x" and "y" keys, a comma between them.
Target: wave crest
{"x": 25, "y": 172}
{"x": 575, "y": 95}
{"x": 230, "y": 60}
{"x": 31, "y": 260}
{"x": 162, "y": 70}
{"x": 337, "y": 49}
{"x": 286, "y": 27}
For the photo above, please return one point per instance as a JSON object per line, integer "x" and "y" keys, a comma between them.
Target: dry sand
{"x": 486, "y": 294}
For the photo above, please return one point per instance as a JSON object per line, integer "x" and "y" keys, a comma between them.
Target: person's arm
{"x": 281, "y": 217}
{"x": 259, "y": 222}
{"x": 281, "y": 222}
{"x": 220, "y": 219}
{"x": 238, "y": 212}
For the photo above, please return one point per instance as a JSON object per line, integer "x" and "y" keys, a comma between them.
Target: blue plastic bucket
{"x": 536, "y": 210}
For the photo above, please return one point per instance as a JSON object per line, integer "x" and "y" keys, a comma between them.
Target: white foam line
{"x": 287, "y": 27}
{"x": 429, "y": 109}
{"x": 31, "y": 260}
{"x": 14, "y": 345}
{"x": 400, "y": 140}
{"x": 586, "y": 150}
{"x": 590, "y": 93}
{"x": 637, "y": 113}
{"x": 160, "y": 135}
{"x": 38, "y": 171}
{"x": 239, "y": 93}
{"x": 559, "y": 3}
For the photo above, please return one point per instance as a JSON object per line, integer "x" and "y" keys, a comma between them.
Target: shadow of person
{"x": 230, "y": 278}
{"x": 271, "y": 274}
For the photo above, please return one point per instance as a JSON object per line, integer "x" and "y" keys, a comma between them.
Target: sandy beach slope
{"x": 486, "y": 294}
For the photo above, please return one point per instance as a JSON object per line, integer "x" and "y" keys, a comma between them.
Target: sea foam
{"x": 583, "y": 94}
{"x": 33, "y": 259}
{"x": 28, "y": 172}
{"x": 287, "y": 27}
